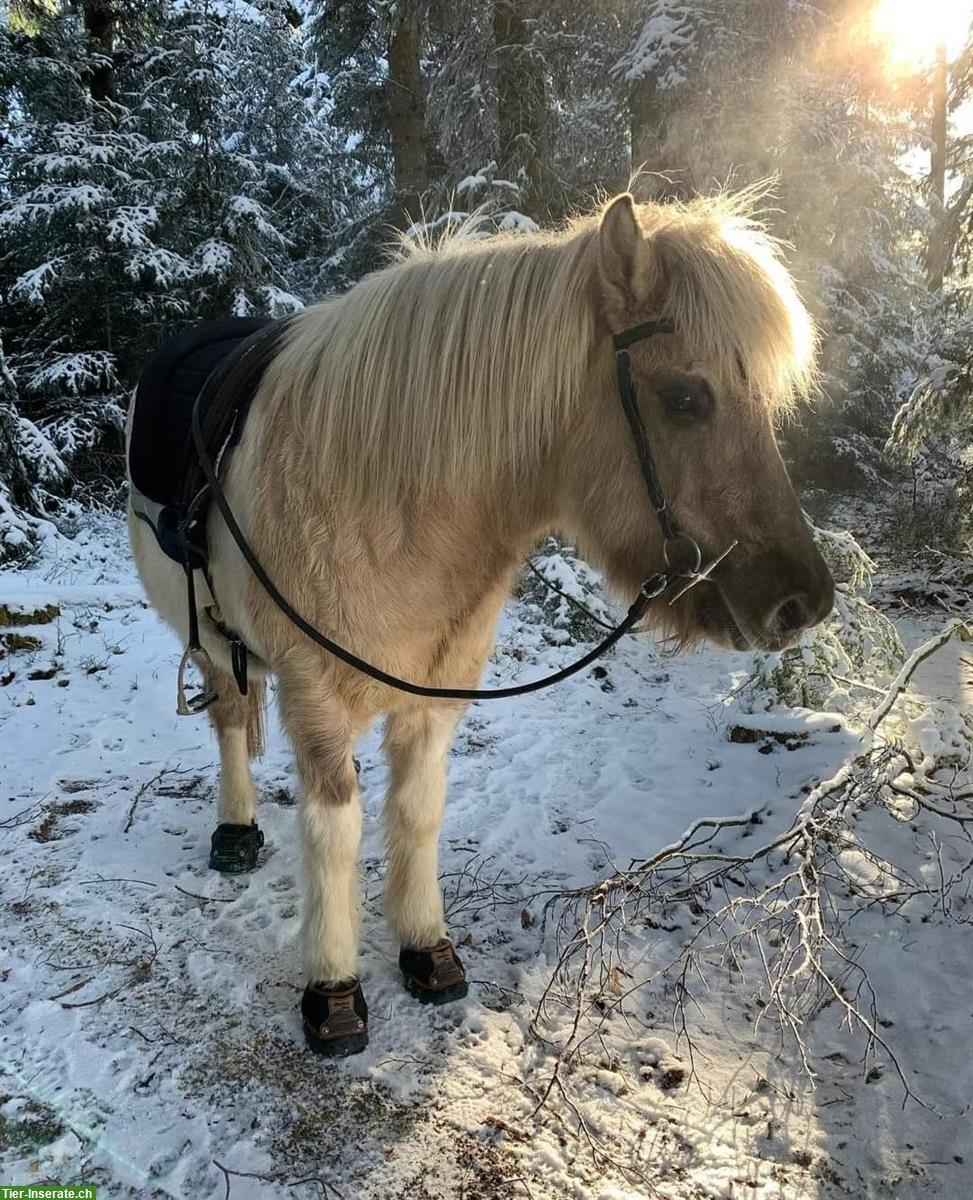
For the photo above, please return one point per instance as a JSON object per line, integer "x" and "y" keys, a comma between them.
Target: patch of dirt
{"x": 765, "y": 739}
{"x": 49, "y": 828}
{"x": 42, "y": 673}
{"x": 12, "y": 614}
{"x": 34, "y": 1126}
{"x": 11, "y": 643}
{"x": 77, "y": 785}
{"x": 183, "y": 787}
{"x": 310, "y": 1113}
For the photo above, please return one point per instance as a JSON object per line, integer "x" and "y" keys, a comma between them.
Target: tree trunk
{"x": 407, "y": 116}
{"x": 937, "y": 252}
{"x": 101, "y": 26}
{"x": 524, "y": 152}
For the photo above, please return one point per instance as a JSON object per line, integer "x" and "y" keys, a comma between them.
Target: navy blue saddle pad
{"x": 160, "y": 452}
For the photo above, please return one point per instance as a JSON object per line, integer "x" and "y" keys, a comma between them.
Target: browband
{"x": 638, "y": 333}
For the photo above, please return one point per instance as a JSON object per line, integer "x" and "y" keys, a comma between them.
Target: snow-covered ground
{"x": 150, "y": 1034}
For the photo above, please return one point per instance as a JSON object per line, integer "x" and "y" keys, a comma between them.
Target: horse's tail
{"x": 256, "y": 704}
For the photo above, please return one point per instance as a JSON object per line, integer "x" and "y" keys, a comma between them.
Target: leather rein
{"x": 681, "y": 555}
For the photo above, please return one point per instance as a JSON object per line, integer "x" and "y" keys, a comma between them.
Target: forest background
{"x": 166, "y": 162}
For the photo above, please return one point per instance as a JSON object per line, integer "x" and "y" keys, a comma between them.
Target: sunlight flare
{"x": 914, "y": 31}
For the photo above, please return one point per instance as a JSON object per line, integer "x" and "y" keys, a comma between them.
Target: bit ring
{"x": 695, "y": 555}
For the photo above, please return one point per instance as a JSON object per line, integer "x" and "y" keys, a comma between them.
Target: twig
{"x": 785, "y": 904}
{"x": 98, "y": 1000}
{"x": 956, "y": 628}
{"x": 75, "y": 987}
{"x": 327, "y": 1189}
{"x": 106, "y": 879}
{"x": 23, "y": 817}
{"x": 141, "y": 792}
{"x": 205, "y": 899}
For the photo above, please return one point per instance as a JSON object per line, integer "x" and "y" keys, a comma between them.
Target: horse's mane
{"x": 467, "y": 354}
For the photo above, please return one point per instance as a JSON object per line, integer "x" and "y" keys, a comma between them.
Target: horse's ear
{"x": 624, "y": 261}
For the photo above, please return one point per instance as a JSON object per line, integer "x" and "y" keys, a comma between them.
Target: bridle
{"x": 626, "y": 391}
{"x": 677, "y": 545}
{"x": 651, "y": 588}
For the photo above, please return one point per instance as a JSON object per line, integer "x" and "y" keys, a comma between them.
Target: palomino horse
{"x": 410, "y": 441}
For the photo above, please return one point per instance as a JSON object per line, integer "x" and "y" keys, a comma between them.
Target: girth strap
{"x": 239, "y": 654}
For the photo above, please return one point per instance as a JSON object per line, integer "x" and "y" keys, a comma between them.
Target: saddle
{"x": 167, "y": 484}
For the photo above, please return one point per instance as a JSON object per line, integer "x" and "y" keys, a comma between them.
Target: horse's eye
{"x": 687, "y": 401}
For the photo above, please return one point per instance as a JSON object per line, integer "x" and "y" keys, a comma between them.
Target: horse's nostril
{"x": 793, "y": 616}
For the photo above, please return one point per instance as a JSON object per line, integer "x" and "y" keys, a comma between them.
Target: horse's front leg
{"x": 416, "y": 741}
{"x": 333, "y": 1006}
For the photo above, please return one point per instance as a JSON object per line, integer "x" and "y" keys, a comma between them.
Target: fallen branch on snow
{"x": 784, "y": 906}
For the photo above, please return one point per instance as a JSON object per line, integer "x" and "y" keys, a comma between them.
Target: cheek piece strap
{"x": 680, "y": 549}
{"x": 681, "y": 554}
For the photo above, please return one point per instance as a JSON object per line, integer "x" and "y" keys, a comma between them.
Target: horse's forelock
{"x": 732, "y": 299}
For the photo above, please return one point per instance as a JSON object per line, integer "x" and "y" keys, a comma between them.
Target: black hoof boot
{"x": 335, "y": 1018}
{"x": 234, "y": 848}
{"x": 434, "y": 975}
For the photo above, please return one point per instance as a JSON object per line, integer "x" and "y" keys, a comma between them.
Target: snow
{"x": 150, "y": 1027}
{"x": 665, "y": 41}
{"x": 46, "y": 465}
{"x": 213, "y": 257}
{"x": 278, "y": 301}
{"x": 163, "y": 268}
{"x": 128, "y": 227}
{"x": 243, "y": 212}
{"x": 33, "y": 285}
{"x": 73, "y": 374}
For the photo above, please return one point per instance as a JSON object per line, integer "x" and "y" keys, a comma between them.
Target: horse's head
{"x": 741, "y": 350}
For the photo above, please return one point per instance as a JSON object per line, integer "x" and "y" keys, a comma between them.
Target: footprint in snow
{"x": 257, "y": 920}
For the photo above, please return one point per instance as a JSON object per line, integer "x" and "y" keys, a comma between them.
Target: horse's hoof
{"x": 234, "y": 848}
{"x": 335, "y": 1018}
{"x": 434, "y": 975}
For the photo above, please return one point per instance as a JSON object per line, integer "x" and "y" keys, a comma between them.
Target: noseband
{"x": 681, "y": 556}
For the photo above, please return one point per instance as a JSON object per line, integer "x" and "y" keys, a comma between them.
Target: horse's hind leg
{"x": 238, "y": 722}
{"x": 416, "y": 741}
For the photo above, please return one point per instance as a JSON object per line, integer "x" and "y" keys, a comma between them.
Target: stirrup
{"x": 191, "y": 706}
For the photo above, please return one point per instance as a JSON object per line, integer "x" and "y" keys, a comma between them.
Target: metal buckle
{"x": 654, "y": 586}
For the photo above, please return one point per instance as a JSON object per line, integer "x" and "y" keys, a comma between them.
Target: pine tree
{"x": 28, "y": 463}
{"x": 163, "y": 168}
{"x": 372, "y": 53}
{"x": 77, "y": 239}
{"x": 279, "y": 113}
{"x": 228, "y": 253}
